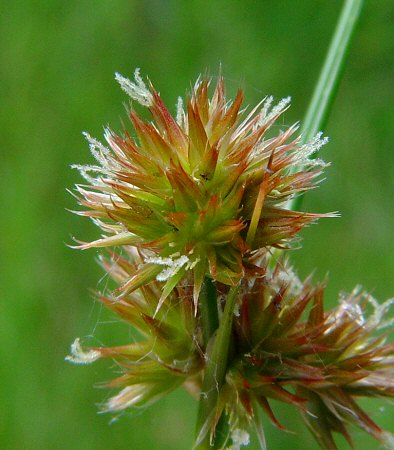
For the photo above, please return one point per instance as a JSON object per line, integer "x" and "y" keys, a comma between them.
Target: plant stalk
{"x": 215, "y": 370}
{"x": 330, "y": 76}
{"x": 209, "y": 310}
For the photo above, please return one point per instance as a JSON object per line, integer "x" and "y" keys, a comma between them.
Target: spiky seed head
{"x": 205, "y": 192}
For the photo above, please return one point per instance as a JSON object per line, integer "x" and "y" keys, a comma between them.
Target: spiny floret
{"x": 208, "y": 186}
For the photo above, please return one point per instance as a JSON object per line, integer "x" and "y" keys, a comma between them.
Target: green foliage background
{"x": 57, "y": 64}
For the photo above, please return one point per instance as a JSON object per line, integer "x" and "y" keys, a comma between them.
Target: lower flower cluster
{"x": 284, "y": 346}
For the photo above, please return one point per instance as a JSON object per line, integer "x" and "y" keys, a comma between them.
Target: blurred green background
{"x": 58, "y": 60}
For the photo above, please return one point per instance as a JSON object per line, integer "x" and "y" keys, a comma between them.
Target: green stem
{"x": 326, "y": 88}
{"x": 216, "y": 370}
{"x": 209, "y": 310}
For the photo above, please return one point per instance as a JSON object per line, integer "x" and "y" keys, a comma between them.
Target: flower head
{"x": 205, "y": 192}
{"x": 317, "y": 362}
